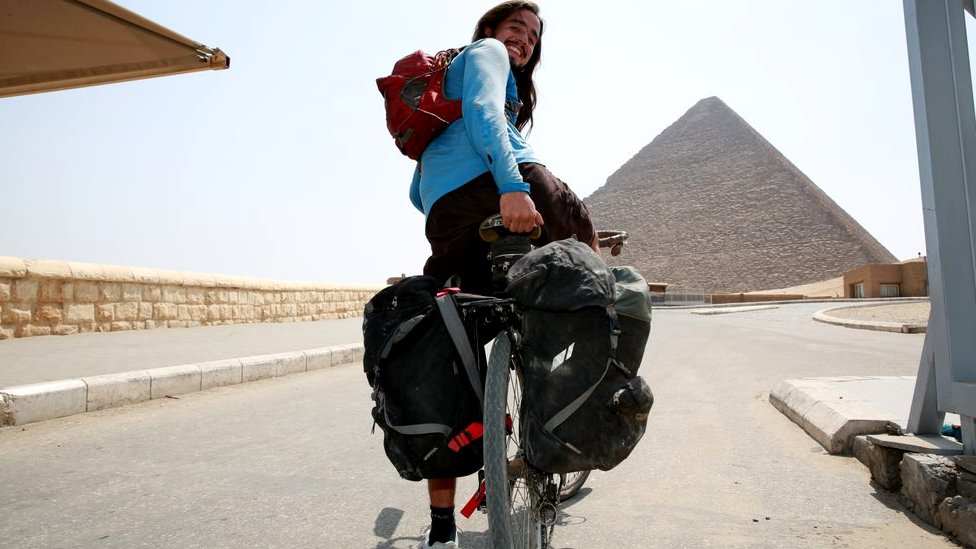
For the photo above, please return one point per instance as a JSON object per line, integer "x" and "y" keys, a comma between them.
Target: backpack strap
{"x": 418, "y": 428}
{"x": 562, "y": 415}
{"x": 452, "y": 320}
{"x": 615, "y": 338}
{"x": 570, "y": 409}
{"x": 401, "y": 332}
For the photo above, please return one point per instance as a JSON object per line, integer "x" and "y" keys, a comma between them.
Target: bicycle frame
{"x": 522, "y": 513}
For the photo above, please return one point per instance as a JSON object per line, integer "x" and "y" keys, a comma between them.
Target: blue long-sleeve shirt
{"x": 484, "y": 138}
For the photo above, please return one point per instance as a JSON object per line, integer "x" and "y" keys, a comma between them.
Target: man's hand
{"x": 518, "y": 212}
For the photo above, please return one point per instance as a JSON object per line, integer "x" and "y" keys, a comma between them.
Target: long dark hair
{"x": 523, "y": 76}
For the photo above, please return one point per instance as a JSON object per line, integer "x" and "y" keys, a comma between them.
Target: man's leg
{"x": 452, "y": 230}
{"x": 441, "y": 491}
{"x": 563, "y": 212}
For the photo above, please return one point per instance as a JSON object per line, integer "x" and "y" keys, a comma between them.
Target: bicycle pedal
{"x": 483, "y": 502}
{"x": 477, "y": 501}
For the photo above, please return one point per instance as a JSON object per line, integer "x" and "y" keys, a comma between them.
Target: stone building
{"x": 711, "y": 204}
{"x": 906, "y": 279}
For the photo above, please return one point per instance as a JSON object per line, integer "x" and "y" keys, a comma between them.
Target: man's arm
{"x": 486, "y": 74}
{"x": 415, "y": 190}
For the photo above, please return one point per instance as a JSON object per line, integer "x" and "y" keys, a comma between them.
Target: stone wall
{"x": 939, "y": 489}
{"x": 721, "y": 299}
{"x": 62, "y": 298}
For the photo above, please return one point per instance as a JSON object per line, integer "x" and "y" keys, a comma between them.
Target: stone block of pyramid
{"x": 711, "y": 204}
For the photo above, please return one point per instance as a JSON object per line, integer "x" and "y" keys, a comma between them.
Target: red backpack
{"x": 416, "y": 109}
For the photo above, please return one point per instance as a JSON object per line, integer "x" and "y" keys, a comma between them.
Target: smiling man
{"x": 520, "y": 33}
{"x": 482, "y": 165}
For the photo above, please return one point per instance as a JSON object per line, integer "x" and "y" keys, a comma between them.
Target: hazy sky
{"x": 281, "y": 167}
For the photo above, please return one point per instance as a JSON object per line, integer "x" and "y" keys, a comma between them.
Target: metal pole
{"x": 945, "y": 128}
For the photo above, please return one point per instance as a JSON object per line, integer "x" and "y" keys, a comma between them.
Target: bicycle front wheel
{"x": 520, "y": 515}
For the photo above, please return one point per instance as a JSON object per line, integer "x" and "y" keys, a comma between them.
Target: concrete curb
{"x": 49, "y": 400}
{"x": 877, "y": 325}
{"x": 873, "y": 301}
{"x": 831, "y": 417}
{"x": 728, "y": 310}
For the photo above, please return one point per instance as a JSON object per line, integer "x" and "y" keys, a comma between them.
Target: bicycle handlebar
{"x": 613, "y": 240}
{"x": 492, "y": 229}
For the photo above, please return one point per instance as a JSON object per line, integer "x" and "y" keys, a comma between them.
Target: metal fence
{"x": 681, "y": 296}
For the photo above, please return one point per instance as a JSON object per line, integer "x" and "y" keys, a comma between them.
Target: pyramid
{"x": 711, "y": 204}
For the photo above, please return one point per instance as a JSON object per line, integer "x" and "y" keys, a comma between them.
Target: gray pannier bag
{"x": 584, "y": 330}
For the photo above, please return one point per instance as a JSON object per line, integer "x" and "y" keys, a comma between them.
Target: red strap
{"x": 470, "y": 434}
{"x": 459, "y": 441}
{"x": 445, "y": 291}
{"x": 475, "y": 500}
{"x": 476, "y": 430}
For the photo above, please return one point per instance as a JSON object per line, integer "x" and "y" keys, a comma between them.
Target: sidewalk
{"x": 51, "y": 358}
{"x": 53, "y": 376}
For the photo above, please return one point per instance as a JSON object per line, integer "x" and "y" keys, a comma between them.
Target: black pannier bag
{"x": 584, "y": 330}
{"x": 427, "y": 394}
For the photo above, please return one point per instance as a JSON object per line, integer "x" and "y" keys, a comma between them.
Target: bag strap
{"x": 570, "y": 409}
{"x": 455, "y": 328}
{"x": 401, "y": 332}
{"x": 418, "y": 428}
{"x": 452, "y": 320}
{"x": 562, "y": 415}
{"x": 615, "y": 338}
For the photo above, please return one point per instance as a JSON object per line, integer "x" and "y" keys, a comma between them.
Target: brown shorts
{"x": 453, "y": 221}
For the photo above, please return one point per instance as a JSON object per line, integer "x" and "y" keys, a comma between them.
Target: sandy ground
{"x": 908, "y": 313}
{"x": 916, "y": 312}
{"x": 833, "y": 287}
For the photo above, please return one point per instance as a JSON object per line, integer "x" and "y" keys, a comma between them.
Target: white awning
{"x": 48, "y": 45}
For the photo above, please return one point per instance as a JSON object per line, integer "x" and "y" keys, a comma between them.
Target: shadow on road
{"x": 386, "y": 522}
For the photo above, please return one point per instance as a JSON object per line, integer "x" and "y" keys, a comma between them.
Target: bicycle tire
{"x": 571, "y": 483}
{"x": 515, "y": 494}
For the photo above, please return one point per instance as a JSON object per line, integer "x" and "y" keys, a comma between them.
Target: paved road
{"x": 290, "y": 462}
